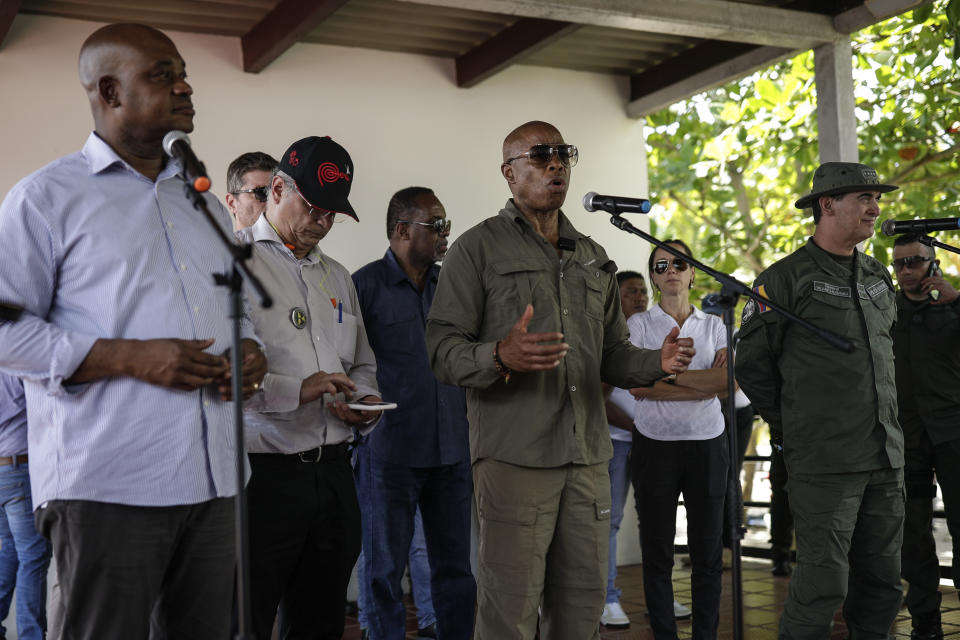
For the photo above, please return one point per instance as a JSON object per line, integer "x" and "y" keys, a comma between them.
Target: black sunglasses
{"x": 909, "y": 261}
{"x": 440, "y": 225}
{"x": 260, "y": 193}
{"x": 540, "y": 154}
{"x": 660, "y": 266}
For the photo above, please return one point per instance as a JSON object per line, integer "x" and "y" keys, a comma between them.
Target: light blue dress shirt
{"x": 93, "y": 249}
{"x": 314, "y": 325}
{"x": 13, "y": 417}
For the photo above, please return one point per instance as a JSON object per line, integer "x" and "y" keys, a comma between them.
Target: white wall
{"x": 401, "y": 117}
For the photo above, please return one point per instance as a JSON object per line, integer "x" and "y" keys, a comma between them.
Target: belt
{"x": 325, "y": 453}
{"x": 18, "y": 459}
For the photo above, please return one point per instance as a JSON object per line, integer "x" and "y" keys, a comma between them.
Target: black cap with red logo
{"x": 323, "y": 172}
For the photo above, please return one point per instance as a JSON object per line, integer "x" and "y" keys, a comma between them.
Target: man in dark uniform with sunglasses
{"x": 926, "y": 342}
{"x": 419, "y": 455}
{"x": 834, "y": 413}
{"x": 527, "y": 317}
{"x": 248, "y": 178}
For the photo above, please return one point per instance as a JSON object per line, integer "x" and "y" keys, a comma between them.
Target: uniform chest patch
{"x": 831, "y": 289}
{"x": 878, "y": 288}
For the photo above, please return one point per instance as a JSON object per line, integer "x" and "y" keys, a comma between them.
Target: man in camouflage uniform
{"x": 835, "y": 413}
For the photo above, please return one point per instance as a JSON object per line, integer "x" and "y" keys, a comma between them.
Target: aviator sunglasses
{"x": 909, "y": 261}
{"x": 661, "y": 266}
{"x": 260, "y": 193}
{"x": 440, "y": 225}
{"x": 540, "y": 154}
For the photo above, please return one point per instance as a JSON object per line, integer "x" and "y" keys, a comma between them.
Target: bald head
{"x": 519, "y": 140}
{"x": 136, "y": 83}
{"x": 106, "y": 47}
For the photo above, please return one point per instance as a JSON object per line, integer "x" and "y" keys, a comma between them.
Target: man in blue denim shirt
{"x": 24, "y": 553}
{"x": 419, "y": 454}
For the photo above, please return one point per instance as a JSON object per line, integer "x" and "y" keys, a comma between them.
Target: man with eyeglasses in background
{"x": 248, "y": 178}
{"x": 926, "y": 343}
{"x": 527, "y": 317}
{"x": 834, "y": 413}
{"x": 304, "y": 516}
{"x": 419, "y": 455}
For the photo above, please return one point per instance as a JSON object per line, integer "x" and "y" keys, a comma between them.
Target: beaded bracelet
{"x": 502, "y": 369}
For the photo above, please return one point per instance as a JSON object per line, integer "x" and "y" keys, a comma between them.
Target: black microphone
{"x": 615, "y": 204}
{"x": 177, "y": 145}
{"x": 896, "y": 227}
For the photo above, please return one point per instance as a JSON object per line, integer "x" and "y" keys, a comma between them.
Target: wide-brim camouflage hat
{"x": 832, "y": 178}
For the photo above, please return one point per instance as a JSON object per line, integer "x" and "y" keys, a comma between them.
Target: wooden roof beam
{"x": 8, "y": 11}
{"x": 518, "y": 41}
{"x": 281, "y": 28}
{"x": 705, "y": 19}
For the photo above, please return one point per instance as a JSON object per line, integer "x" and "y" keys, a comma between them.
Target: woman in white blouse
{"x": 681, "y": 447}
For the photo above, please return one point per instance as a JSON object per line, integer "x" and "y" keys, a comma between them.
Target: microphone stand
{"x": 930, "y": 242}
{"x": 234, "y": 281}
{"x": 731, "y": 290}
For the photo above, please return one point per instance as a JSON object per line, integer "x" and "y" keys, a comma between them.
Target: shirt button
{"x": 565, "y": 312}
{"x": 598, "y": 274}
{"x": 169, "y": 225}
{"x": 183, "y": 267}
{"x": 573, "y": 388}
{"x": 196, "y": 309}
{"x": 206, "y": 403}
{"x": 561, "y": 274}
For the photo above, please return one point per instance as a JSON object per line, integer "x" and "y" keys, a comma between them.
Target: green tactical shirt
{"x": 835, "y": 412}
{"x": 926, "y": 342}
{"x": 545, "y": 418}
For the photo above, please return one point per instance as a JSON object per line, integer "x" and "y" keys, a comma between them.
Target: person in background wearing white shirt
{"x": 619, "y": 406}
{"x": 681, "y": 447}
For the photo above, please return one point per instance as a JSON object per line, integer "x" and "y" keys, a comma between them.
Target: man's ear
{"x": 276, "y": 189}
{"x": 108, "y": 90}
{"x": 231, "y": 203}
{"x": 402, "y": 230}
{"x": 507, "y": 170}
{"x": 826, "y": 205}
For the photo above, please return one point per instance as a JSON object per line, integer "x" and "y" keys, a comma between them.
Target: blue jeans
{"x": 24, "y": 555}
{"x": 619, "y": 486}
{"x": 419, "y": 580}
{"x": 390, "y": 494}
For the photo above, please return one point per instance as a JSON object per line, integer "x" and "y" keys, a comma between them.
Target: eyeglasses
{"x": 909, "y": 261}
{"x": 440, "y": 225}
{"x": 540, "y": 154}
{"x": 326, "y": 214}
{"x": 260, "y": 193}
{"x": 660, "y": 266}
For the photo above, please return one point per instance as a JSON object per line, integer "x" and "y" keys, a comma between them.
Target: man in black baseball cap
{"x": 304, "y": 515}
{"x": 834, "y": 413}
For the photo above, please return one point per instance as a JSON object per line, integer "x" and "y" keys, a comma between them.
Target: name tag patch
{"x": 878, "y": 288}
{"x": 831, "y": 289}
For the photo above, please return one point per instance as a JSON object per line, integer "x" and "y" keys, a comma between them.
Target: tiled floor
{"x": 763, "y": 597}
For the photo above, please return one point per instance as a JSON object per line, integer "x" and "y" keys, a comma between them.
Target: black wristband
{"x": 502, "y": 369}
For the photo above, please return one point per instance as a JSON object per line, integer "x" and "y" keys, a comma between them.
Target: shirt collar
{"x": 697, "y": 313}
{"x": 826, "y": 263}
{"x": 565, "y": 228}
{"x": 396, "y": 274}
{"x": 262, "y": 231}
{"x": 101, "y": 156}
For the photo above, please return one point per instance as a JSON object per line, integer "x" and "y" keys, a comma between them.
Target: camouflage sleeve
{"x": 758, "y": 354}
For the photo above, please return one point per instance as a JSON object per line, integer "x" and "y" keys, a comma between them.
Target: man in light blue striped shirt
{"x": 131, "y": 440}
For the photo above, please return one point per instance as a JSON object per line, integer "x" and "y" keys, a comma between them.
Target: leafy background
{"x": 727, "y": 165}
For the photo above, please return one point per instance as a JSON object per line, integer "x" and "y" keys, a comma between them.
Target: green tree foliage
{"x": 727, "y": 165}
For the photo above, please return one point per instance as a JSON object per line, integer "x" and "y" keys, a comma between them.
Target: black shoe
{"x": 933, "y": 634}
{"x": 781, "y": 568}
{"x": 428, "y": 632}
{"x": 927, "y": 627}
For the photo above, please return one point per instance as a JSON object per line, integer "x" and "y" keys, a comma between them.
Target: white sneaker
{"x": 614, "y": 617}
{"x": 681, "y": 612}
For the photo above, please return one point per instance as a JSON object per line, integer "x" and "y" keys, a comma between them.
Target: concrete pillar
{"x": 833, "y": 64}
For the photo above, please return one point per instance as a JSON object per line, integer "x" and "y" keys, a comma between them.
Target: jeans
{"x": 390, "y": 494}
{"x": 24, "y": 555}
{"x": 419, "y": 579}
{"x": 619, "y": 487}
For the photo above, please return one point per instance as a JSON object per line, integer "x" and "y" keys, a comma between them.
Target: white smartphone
{"x": 372, "y": 406}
